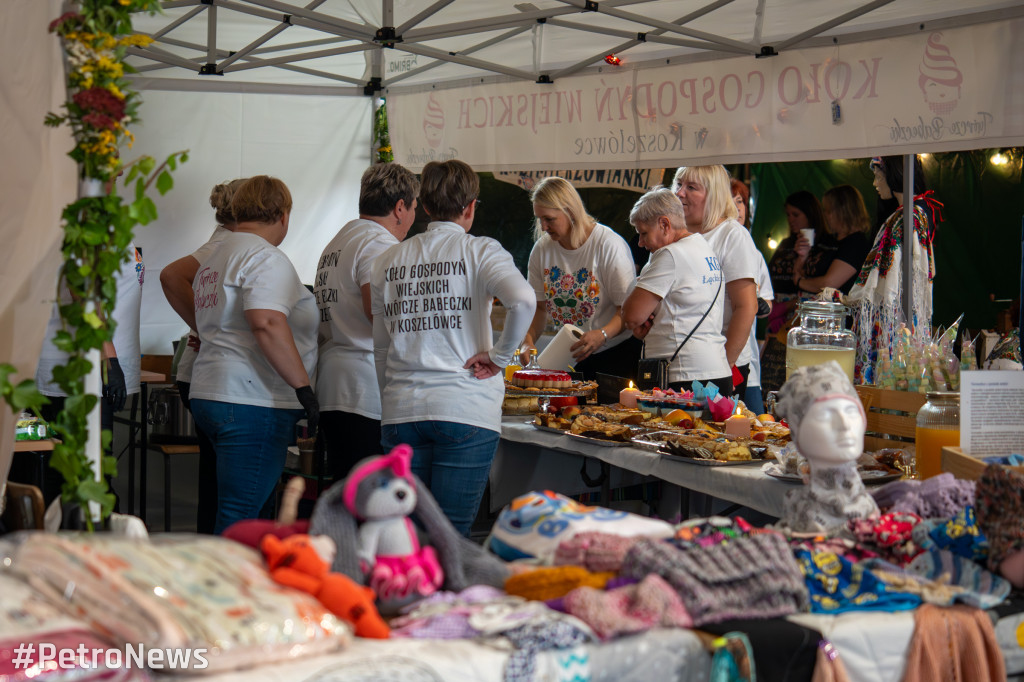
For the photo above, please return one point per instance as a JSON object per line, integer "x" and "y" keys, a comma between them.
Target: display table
{"x": 745, "y": 485}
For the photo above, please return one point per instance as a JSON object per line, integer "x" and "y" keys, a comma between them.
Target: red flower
{"x": 59, "y": 21}
{"x": 99, "y": 121}
{"x": 100, "y": 100}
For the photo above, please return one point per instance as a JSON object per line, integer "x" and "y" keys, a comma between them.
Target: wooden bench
{"x": 891, "y": 417}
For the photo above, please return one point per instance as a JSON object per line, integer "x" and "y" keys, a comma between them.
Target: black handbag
{"x": 653, "y": 372}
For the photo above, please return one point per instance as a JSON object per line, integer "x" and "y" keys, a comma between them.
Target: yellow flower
{"x": 131, "y": 138}
{"x": 113, "y": 90}
{"x": 125, "y": 2}
{"x": 136, "y": 40}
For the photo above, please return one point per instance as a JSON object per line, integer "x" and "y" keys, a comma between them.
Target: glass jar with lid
{"x": 821, "y": 336}
{"x": 938, "y": 425}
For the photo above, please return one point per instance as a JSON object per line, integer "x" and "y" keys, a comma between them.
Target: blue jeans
{"x": 251, "y": 444}
{"x": 453, "y": 461}
{"x": 754, "y": 399}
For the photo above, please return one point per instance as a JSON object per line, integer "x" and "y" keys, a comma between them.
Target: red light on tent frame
{"x": 613, "y": 60}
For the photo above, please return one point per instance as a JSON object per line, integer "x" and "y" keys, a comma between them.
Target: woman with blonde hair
{"x": 176, "y": 281}
{"x": 257, "y": 327}
{"x": 707, "y": 203}
{"x": 581, "y": 272}
{"x": 678, "y": 296}
{"x": 837, "y": 259}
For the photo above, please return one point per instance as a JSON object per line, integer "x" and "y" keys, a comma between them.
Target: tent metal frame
{"x": 343, "y": 37}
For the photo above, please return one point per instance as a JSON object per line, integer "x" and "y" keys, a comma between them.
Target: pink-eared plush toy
{"x": 381, "y": 494}
{"x": 370, "y": 517}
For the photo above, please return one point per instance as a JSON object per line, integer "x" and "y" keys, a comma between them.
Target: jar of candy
{"x": 938, "y": 425}
{"x": 821, "y": 336}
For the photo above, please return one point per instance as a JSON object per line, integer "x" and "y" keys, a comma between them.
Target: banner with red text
{"x": 947, "y": 90}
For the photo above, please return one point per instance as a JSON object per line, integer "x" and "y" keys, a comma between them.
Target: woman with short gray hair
{"x": 677, "y": 294}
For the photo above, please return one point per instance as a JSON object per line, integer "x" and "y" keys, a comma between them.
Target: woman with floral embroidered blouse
{"x": 581, "y": 271}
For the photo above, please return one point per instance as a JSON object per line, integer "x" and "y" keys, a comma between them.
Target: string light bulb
{"x": 999, "y": 159}
{"x": 613, "y": 60}
{"x": 772, "y": 244}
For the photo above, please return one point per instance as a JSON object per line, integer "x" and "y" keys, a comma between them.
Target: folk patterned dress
{"x": 877, "y": 294}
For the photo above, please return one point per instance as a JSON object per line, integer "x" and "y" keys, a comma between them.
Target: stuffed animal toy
{"x": 296, "y": 561}
{"x": 382, "y": 494}
{"x": 370, "y": 514}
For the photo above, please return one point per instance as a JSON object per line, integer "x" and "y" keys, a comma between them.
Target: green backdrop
{"x": 977, "y": 247}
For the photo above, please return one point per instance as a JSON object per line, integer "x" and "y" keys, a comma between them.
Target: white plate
{"x": 870, "y": 476}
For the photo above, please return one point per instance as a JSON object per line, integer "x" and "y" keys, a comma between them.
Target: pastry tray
{"x": 605, "y": 442}
{"x": 551, "y": 393}
{"x": 645, "y": 442}
{"x": 551, "y": 429}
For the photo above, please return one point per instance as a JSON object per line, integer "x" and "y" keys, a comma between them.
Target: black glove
{"x": 312, "y": 407}
{"x": 183, "y": 389}
{"x": 115, "y": 390}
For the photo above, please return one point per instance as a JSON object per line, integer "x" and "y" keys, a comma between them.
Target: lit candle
{"x": 627, "y": 396}
{"x": 737, "y": 424}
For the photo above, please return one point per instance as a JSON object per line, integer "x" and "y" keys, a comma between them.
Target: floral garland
{"x": 381, "y": 135}
{"x": 98, "y": 227}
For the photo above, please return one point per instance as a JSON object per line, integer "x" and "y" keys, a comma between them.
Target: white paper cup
{"x": 809, "y": 234}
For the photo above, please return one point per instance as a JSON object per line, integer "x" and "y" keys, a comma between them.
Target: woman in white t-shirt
{"x": 707, "y": 202}
{"x": 176, "y": 280}
{"x": 346, "y": 384}
{"x": 439, "y": 370}
{"x": 677, "y": 292}
{"x": 753, "y": 398}
{"x": 257, "y": 330}
{"x": 580, "y": 272}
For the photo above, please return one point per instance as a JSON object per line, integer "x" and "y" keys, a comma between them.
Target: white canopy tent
{"x": 265, "y": 86}
{"x": 526, "y": 86}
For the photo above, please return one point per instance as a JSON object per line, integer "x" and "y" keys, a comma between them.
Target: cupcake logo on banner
{"x": 433, "y": 122}
{"x": 940, "y": 78}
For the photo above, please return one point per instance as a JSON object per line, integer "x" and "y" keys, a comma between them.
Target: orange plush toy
{"x": 301, "y": 561}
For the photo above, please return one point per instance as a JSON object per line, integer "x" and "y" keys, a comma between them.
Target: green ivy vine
{"x": 98, "y": 229}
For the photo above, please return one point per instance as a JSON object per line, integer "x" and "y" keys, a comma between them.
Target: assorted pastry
{"x": 595, "y": 427}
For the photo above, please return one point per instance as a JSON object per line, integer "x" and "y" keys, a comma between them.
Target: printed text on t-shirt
{"x": 206, "y": 288}
{"x": 425, "y": 304}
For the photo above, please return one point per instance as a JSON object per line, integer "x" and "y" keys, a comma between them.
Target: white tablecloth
{"x": 745, "y": 484}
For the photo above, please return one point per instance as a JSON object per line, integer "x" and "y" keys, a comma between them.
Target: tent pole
{"x": 908, "y": 240}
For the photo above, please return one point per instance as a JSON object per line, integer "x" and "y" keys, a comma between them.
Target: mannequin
{"x": 827, "y": 420}
{"x": 876, "y": 296}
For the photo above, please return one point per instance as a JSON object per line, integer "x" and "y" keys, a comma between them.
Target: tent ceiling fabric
{"x": 335, "y": 47}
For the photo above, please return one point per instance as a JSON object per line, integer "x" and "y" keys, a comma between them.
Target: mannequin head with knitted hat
{"x": 825, "y": 415}
{"x": 827, "y": 421}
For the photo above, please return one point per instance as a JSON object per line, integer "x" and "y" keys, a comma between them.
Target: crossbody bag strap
{"x": 701, "y": 320}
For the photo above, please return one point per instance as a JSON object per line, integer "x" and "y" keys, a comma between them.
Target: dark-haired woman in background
{"x": 837, "y": 263}
{"x": 803, "y": 211}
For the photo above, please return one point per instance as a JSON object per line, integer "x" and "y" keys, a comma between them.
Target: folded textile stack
{"x": 743, "y": 577}
{"x": 190, "y": 594}
{"x": 32, "y": 631}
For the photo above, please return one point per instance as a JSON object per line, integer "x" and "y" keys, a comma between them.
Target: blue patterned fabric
{"x": 836, "y": 585}
{"x": 534, "y": 637}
